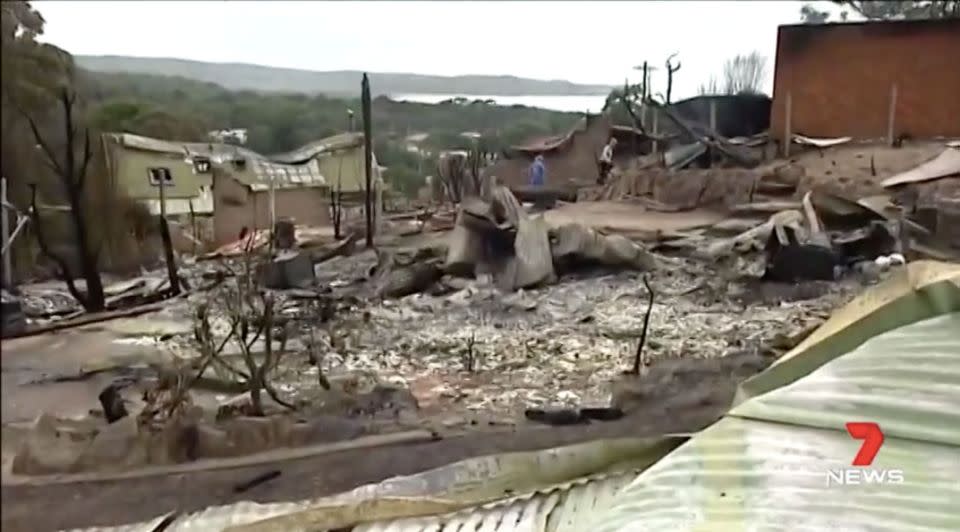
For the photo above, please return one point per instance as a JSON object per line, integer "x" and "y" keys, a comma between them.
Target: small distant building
{"x": 229, "y": 136}
{"x": 850, "y": 79}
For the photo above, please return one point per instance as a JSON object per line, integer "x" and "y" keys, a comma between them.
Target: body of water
{"x": 592, "y": 104}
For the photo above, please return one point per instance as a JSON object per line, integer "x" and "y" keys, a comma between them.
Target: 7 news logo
{"x": 861, "y": 473}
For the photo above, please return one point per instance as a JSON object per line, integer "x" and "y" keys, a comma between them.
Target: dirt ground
{"x": 856, "y": 169}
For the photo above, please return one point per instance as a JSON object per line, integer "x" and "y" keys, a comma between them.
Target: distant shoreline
{"x": 571, "y": 103}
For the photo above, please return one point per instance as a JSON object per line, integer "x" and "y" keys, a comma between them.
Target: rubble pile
{"x": 489, "y": 312}
{"x": 497, "y": 353}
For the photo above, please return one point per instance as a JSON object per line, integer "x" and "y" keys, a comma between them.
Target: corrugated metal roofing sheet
{"x": 337, "y": 142}
{"x": 604, "y": 465}
{"x": 767, "y": 465}
{"x": 283, "y": 175}
{"x": 921, "y": 290}
{"x": 907, "y": 380}
{"x": 562, "y": 509}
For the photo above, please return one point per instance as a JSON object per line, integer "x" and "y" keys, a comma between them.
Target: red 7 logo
{"x": 872, "y": 438}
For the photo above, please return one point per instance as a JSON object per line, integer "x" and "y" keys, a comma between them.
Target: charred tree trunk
{"x": 367, "y": 155}
{"x": 72, "y": 176}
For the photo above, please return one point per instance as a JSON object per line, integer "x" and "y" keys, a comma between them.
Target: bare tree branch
{"x": 744, "y": 73}
{"x": 51, "y": 160}
{"x": 643, "y": 334}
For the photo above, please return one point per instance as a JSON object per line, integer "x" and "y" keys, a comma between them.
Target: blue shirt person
{"x": 538, "y": 171}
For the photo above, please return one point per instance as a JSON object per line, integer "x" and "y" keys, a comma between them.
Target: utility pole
{"x": 367, "y": 155}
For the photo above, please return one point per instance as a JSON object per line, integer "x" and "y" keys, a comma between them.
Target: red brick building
{"x": 843, "y": 79}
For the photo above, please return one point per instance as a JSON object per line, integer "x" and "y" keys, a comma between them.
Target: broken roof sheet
{"x": 555, "y": 142}
{"x": 552, "y": 142}
{"x": 282, "y": 175}
{"x": 337, "y": 142}
{"x": 892, "y": 356}
{"x": 769, "y": 462}
{"x": 555, "y": 487}
{"x": 944, "y": 165}
{"x": 217, "y": 152}
{"x": 542, "y": 144}
{"x": 821, "y": 142}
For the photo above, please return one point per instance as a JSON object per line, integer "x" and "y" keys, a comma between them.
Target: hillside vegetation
{"x": 240, "y": 76}
{"x": 181, "y": 109}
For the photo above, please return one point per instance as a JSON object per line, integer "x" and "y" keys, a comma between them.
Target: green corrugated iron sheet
{"x": 766, "y": 464}
{"x": 907, "y": 380}
{"x": 562, "y": 509}
{"x": 585, "y": 472}
{"x": 922, "y": 290}
{"x": 752, "y": 475}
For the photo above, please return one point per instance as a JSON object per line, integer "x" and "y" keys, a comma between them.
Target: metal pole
{"x": 273, "y": 204}
{"x": 7, "y": 271}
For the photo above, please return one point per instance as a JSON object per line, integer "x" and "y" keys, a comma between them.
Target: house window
{"x": 201, "y": 165}
{"x": 160, "y": 175}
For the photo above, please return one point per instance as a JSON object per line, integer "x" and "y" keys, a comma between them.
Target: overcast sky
{"x": 586, "y": 42}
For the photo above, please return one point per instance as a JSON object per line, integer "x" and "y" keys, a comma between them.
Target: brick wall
{"x": 839, "y": 77}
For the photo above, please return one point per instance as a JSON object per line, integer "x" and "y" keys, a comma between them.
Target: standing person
{"x": 606, "y": 160}
{"x": 538, "y": 172}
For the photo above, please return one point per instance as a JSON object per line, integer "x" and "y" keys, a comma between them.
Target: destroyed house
{"x": 868, "y": 80}
{"x": 232, "y": 183}
{"x": 572, "y": 159}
